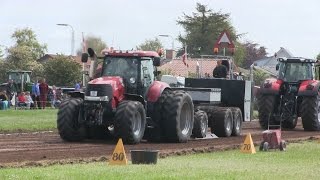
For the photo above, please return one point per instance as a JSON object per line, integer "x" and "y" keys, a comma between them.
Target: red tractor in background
{"x": 295, "y": 93}
{"x": 127, "y": 102}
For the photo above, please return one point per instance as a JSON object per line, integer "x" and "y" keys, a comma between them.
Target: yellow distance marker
{"x": 119, "y": 155}
{"x": 247, "y": 146}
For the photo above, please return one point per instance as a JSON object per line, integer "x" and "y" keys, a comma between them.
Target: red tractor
{"x": 295, "y": 93}
{"x": 127, "y": 102}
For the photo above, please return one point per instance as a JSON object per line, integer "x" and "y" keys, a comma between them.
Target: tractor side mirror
{"x": 277, "y": 67}
{"x": 156, "y": 61}
{"x": 91, "y": 52}
{"x": 84, "y": 57}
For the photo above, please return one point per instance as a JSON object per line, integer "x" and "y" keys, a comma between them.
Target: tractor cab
{"x": 296, "y": 69}
{"x": 137, "y": 72}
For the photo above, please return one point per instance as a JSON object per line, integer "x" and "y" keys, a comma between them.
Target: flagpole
{"x": 83, "y": 66}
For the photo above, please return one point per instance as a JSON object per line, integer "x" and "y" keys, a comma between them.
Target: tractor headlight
{"x": 132, "y": 80}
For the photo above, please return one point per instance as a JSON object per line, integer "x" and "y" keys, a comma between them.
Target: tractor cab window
{"x": 147, "y": 75}
{"x": 293, "y": 72}
{"x": 125, "y": 67}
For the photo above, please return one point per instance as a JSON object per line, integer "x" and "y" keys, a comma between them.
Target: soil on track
{"x": 46, "y": 148}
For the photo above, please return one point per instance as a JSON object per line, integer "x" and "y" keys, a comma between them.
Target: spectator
{"x": 77, "y": 86}
{"x": 4, "y": 103}
{"x": 22, "y": 102}
{"x": 220, "y": 71}
{"x": 29, "y": 100}
{"x": 11, "y": 89}
{"x": 44, "y": 89}
{"x": 58, "y": 98}
{"x": 35, "y": 95}
{"x": 53, "y": 96}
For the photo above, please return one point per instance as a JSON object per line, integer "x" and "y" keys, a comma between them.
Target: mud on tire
{"x": 310, "y": 112}
{"x": 200, "y": 126}
{"x": 265, "y": 107}
{"x": 68, "y": 123}
{"x": 130, "y": 122}
{"x": 178, "y": 117}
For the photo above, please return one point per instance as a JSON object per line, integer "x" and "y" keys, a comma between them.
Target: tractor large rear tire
{"x": 178, "y": 117}
{"x": 155, "y": 134}
{"x": 266, "y": 105}
{"x": 310, "y": 113}
{"x": 130, "y": 122}
{"x": 237, "y": 121}
{"x": 222, "y": 122}
{"x": 68, "y": 120}
{"x": 200, "y": 126}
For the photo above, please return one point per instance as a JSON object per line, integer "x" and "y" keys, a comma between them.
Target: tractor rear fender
{"x": 76, "y": 94}
{"x": 309, "y": 88}
{"x": 134, "y": 97}
{"x": 155, "y": 91}
{"x": 270, "y": 86}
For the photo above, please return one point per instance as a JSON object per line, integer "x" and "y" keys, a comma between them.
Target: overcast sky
{"x": 293, "y": 24}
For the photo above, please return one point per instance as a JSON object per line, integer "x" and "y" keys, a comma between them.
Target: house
{"x": 178, "y": 68}
{"x": 268, "y": 64}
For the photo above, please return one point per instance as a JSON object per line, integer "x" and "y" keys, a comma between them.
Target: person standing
{"x": 44, "y": 89}
{"x": 77, "y": 87}
{"x": 220, "y": 71}
{"x": 35, "y": 95}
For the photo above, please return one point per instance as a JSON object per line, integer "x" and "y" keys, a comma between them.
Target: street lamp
{"x": 72, "y": 36}
{"x": 166, "y": 35}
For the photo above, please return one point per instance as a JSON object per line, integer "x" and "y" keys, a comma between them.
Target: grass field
{"x": 28, "y": 120}
{"x": 300, "y": 161}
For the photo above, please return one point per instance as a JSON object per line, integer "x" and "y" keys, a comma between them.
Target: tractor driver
{"x": 220, "y": 71}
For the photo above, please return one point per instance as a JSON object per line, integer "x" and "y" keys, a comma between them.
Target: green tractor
{"x": 22, "y": 80}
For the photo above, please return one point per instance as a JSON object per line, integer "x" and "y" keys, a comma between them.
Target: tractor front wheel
{"x": 130, "y": 122}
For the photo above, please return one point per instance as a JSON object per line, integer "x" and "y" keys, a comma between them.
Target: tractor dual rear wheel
{"x": 68, "y": 120}
{"x": 130, "y": 122}
{"x": 178, "y": 117}
{"x": 310, "y": 113}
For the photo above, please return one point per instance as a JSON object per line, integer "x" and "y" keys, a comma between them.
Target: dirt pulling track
{"x": 46, "y": 148}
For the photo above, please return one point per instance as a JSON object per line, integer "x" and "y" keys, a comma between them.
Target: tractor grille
{"x": 102, "y": 89}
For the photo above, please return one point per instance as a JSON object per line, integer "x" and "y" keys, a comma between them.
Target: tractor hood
{"x": 113, "y": 85}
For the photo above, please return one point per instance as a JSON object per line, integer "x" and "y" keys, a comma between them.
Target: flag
{"x": 84, "y": 44}
{"x": 185, "y": 56}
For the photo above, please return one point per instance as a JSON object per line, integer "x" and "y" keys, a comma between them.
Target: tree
{"x": 94, "y": 42}
{"x": 240, "y": 54}
{"x": 150, "y": 45}
{"x": 259, "y": 76}
{"x": 23, "y": 55}
{"x": 318, "y": 57}
{"x": 62, "y": 71}
{"x": 253, "y": 52}
{"x": 202, "y": 29}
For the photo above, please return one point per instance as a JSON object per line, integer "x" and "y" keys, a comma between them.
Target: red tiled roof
{"x": 177, "y": 67}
